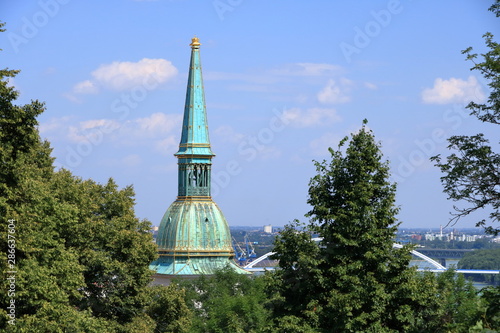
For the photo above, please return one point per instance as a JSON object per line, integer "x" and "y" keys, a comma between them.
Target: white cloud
{"x": 85, "y": 87}
{"x": 75, "y": 135}
{"x": 335, "y": 92}
{"x": 126, "y": 75}
{"x": 95, "y": 123}
{"x": 154, "y": 131}
{"x": 147, "y": 73}
{"x": 92, "y": 130}
{"x": 158, "y": 131}
{"x": 157, "y": 124}
{"x": 54, "y": 124}
{"x": 310, "y": 117}
{"x": 72, "y": 97}
{"x": 453, "y": 91}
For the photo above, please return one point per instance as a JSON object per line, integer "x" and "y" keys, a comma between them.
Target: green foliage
{"x": 460, "y": 308}
{"x": 353, "y": 280}
{"x": 491, "y": 296}
{"x": 168, "y": 309}
{"x": 57, "y": 318}
{"x": 482, "y": 259}
{"x": 226, "y": 302}
{"x": 293, "y": 287}
{"x": 472, "y": 174}
{"x": 291, "y": 324}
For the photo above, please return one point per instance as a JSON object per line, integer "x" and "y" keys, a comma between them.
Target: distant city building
{"x": 452, "y": 236}
{"x": 416, "y": 237}
{"x": 470, "y": 238}
{"x": 193, "y": 237}
{"x": 268, "y": 229}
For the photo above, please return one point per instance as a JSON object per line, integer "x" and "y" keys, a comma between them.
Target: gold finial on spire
{"x": 195, "y": 42}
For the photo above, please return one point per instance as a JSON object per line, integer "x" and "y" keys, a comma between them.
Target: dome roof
{"x": 194, "y": 239}
{"x": 194, "y": 226}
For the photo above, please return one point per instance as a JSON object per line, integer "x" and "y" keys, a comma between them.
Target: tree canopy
{"x": 353, "y": 279}
{"x": 227, "y": 302}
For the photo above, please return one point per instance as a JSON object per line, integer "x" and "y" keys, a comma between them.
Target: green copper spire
{"x": 194, "y": 138}
{"x": 194, "y": 237}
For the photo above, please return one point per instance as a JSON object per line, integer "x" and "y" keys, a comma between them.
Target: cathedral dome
{"x": 194, "y": 239}
{"x": 192, "y": 227}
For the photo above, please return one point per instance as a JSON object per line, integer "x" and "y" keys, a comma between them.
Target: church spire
{"x": 194, "y": 138}
{"x": 194, "y": 153}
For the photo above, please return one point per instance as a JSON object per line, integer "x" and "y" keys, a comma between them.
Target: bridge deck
{"x": 464, "y": 271}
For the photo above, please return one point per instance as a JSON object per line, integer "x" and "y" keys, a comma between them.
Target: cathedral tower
{"x": 193, "y": 237}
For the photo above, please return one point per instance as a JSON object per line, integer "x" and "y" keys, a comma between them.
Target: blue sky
{"x": 284, "y": 80}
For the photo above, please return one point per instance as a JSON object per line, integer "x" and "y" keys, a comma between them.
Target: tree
{"x": 460, "y": 307}
{"x": 168, "y": 309}
{"x": 226, "y": 302}
{"x": 491, "y": 296}
{"x": 472, "y": 174}
{"x": 353, "y": 280}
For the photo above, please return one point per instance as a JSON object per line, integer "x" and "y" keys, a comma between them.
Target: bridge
{"x": 445, "y": 253}
{"x": 437, "y": 267}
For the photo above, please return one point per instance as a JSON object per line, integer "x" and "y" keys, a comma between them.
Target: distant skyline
{"x": 284, "y": 80}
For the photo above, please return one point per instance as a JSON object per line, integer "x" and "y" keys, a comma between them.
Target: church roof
{"x": 194, "y": 239}
{"x": 194, "y": 227}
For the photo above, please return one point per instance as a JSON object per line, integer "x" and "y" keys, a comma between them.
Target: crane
{"x": 240, "y": 253}
{"x": 250, "y": 249}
